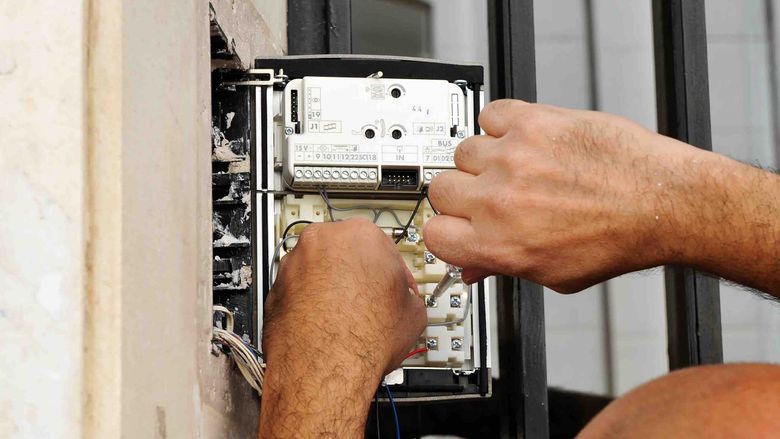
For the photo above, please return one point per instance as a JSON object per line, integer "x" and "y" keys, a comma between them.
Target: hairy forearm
{"x": 320, "y": 378}
{"x": 727, "y": 220}
{"x": 303, "y": 401}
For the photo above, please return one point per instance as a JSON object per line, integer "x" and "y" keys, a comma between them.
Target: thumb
{"x": 474, "y": 275}
{"x": 453, "y": 240}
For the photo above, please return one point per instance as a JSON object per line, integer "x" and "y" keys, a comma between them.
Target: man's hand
{"x": 570, "y": 198}
{"x": 344, "y": 311}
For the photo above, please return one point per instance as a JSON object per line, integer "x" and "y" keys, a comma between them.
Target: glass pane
{"x": 387, "y": 27}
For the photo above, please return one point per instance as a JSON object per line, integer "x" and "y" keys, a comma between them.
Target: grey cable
{"x": 382, "y": 210}
{"x": 376, "y": 211}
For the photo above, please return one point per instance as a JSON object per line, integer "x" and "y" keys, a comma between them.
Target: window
{"x": 391, "y": 27}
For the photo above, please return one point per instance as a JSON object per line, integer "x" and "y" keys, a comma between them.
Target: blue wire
{"x": 395, "y": 413}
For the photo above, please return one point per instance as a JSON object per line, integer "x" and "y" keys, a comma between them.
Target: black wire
{"x": 376, "y": 408}
{"x": 289, "y": 227}
{"x": 435, "y": 212}
{"x": 254, "y": 350}
{"x": 423, "y": 195}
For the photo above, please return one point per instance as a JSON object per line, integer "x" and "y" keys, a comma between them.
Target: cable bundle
{"x": 246, "y": 357}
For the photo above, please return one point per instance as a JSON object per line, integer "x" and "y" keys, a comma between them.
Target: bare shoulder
{"x": 724, "y": 401}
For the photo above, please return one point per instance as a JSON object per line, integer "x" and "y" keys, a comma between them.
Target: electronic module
{"x": 335, "y": 137}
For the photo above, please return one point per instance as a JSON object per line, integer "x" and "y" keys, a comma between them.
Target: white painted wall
{"x": 42, "y": 218}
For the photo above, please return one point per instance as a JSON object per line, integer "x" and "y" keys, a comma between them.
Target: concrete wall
{"x": 105, "y": 233}
{"x": 171, "y": 384}
{"x": 165, "y": 243}
{"x": 42, "y": 218}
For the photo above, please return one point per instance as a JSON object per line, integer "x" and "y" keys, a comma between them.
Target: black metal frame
{"x": 682, "y": 87}
{"x": 322, "y": 26}
{"x": 521, "y": 338}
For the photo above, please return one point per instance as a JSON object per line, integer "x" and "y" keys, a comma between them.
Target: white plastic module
{"x": 370, "y": 134}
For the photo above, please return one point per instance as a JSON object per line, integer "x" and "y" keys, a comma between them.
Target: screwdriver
{"x": 452, "y": 276}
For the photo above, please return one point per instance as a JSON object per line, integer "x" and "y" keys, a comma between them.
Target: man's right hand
{"x": 344, "y": 311}
{"x": 571, "y": 198}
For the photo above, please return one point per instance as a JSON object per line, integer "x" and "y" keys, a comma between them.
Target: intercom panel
{"x": 344, "y": 136}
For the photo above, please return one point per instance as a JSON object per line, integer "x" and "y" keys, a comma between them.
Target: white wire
{"x": 275, "y": 258}
{"x": 247, "y": 362}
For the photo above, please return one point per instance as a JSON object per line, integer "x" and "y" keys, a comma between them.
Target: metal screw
{"x": 461, "y": 134}
{"x": 288, "y": 131}
{"x": 432, "y": 343}
{"x": 457, "y": 344}
{"x": 454, "y": 301}
{"x": 429, "y": 257}
{"x": 412, "y": 237}
{"x": 431, "y": 302}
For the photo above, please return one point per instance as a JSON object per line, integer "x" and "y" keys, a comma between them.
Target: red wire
{"x": 415, "y": 352}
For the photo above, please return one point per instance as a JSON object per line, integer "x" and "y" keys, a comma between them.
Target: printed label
{"x": 328, "y": 153}
{"x": 331, "y": 126}
{"x": 399, "y": 153}
{"x": 314, "y": 100}
{"x": 429, "y": 129}
{"x": 439, "y": 151}
{"x": 377, "y": 91}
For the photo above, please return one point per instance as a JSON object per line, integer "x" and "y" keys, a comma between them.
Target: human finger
{"x": 474, "y": 154}
{"x": 473, "y": 275}
{"x": 451, "y": 193}
{"x": 453, "y": 240}
{"x": 498, "y": 116}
